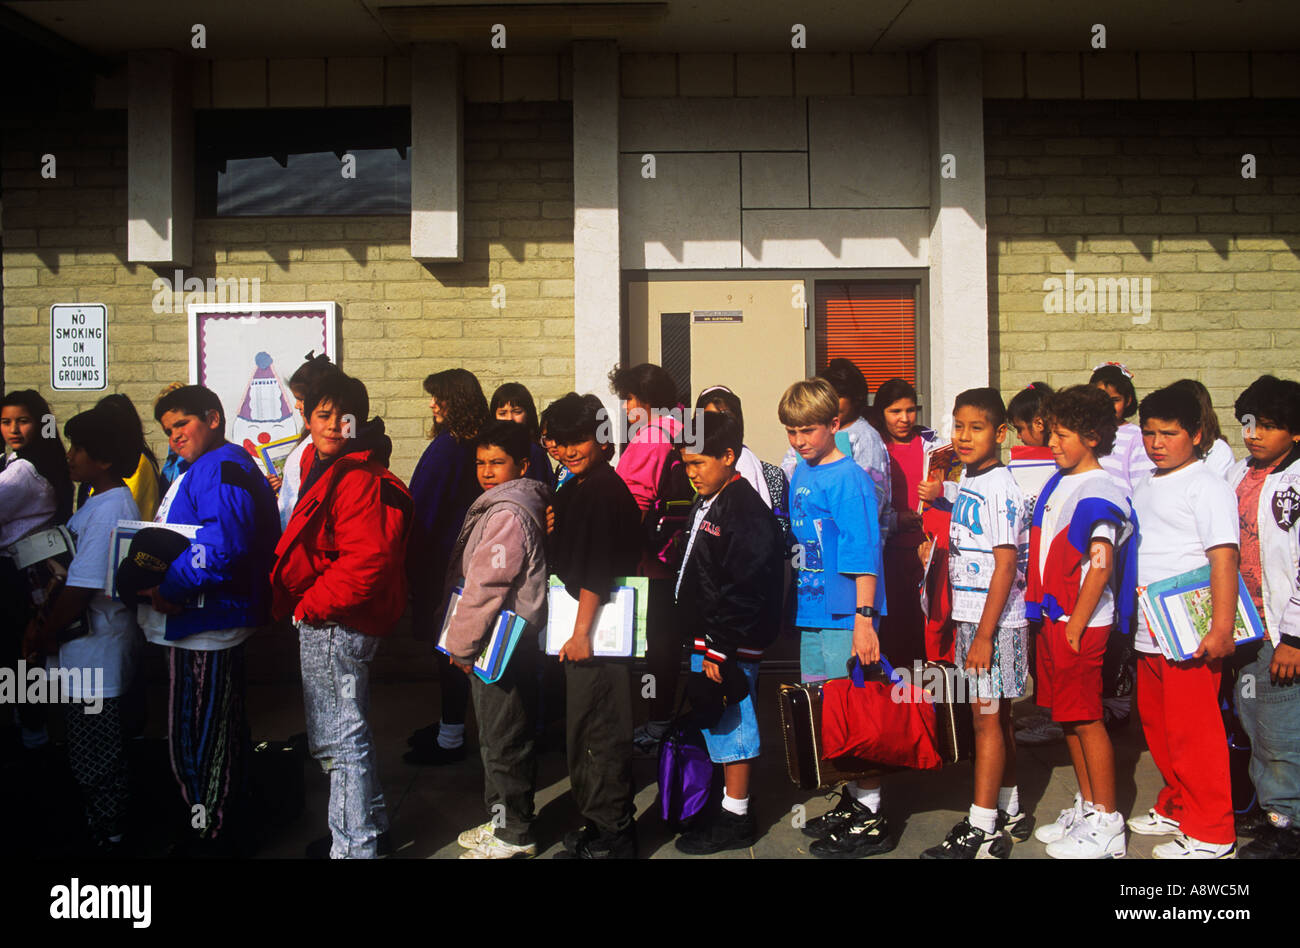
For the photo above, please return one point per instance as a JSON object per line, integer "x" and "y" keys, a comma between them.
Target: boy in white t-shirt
{"x": 1187, "y": 516}
{"x": 97, "y": 666}
{"x": 1079, "y": 541}
{"x": 988, "y": 542}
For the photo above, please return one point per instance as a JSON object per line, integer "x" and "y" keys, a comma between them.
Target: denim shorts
{"x": 735, "y": 736}
{"x": 824, "y": 654}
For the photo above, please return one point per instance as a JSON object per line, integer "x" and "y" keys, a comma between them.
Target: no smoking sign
{"x": 79, "y": 346}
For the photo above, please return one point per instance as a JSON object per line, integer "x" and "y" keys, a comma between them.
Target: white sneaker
{"x": 493, "y": 848}
{"x": 1152, "y": 823}
{"x": 1093, "y": 837}
{"x": 1054, "y": 832}
{"x": 1184, "y": 847}
{"x": 473, "y": 838}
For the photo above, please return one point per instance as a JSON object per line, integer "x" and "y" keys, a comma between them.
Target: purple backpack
{"x": 685, "y": 775}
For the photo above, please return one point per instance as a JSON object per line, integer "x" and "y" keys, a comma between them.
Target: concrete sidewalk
{"x": 429, "y": 806}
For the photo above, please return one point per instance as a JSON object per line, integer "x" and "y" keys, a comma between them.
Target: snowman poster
{"x": 246, "y": 354}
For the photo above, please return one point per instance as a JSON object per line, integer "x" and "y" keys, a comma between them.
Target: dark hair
{"x": 719, "y": 431}
{"x": 1027, "y": 404}
{"x": 1175, "y": 403}
{"x": 1087, "y": 411}
{"x": 727, "y": 402}
{"x": 132, "y": 428}
{"x": 103, "y": 434}
{"x": 464, "y": 408}
{"x": 647, "y": 383}
{"x": 341, "y": 392}
{"x": 45, "y": 454}
{"x": 509, "y": 437}
{"x": 1210, "y": 431}
{"x": 1271, "y": 399}
{"x": 987, "y": 400}
{"x": 1114, "y": 376}
{"x": 191, "y": 400}
{"x": 848, "y": 381}
{"x": 893, "y": 390}
{"x": 517, "y": 394}
{"x": 311, "y": 371}
{"x": 574, "y": 418}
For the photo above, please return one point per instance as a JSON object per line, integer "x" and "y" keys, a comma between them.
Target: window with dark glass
{"x": 299, "y": 162}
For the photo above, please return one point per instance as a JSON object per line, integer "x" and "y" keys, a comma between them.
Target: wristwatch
{"x": 867, "y": 612}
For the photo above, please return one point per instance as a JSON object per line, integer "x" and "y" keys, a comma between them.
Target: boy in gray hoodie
{"x": 500, "y": 560}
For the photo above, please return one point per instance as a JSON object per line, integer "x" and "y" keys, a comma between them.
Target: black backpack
{"x": 667, "y": 520}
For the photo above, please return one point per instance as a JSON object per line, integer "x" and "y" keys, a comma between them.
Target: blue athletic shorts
{"x": 735, "y": 736}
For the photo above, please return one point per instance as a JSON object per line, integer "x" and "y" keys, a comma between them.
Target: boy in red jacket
{"x": 339, "y": 574}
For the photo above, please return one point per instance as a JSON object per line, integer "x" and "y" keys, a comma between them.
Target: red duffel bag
{"x": 891, "y": 724}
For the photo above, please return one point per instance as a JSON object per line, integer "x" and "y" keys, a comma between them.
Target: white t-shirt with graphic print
{"x": 988, "y": 510}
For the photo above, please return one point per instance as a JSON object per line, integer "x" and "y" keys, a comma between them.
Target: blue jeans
{"x": 735, "y": 737}
{"x": 1271, "y": 717}
{"x": 336, "y": 692}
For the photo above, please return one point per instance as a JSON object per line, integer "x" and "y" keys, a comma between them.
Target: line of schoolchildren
{"x": 1046, "y": 587}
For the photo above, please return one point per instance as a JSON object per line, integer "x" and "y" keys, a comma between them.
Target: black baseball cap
{"x": 146, "y": 563}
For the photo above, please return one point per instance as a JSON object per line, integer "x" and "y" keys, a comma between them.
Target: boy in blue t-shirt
{"x": 838, "y": 590}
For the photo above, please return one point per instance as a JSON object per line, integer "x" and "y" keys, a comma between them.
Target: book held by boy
{"x": 492, "y": 661}
{"x": 1178, "y": 612}
{"x": 938, "y": 463}
{"x": 618, "y": 631}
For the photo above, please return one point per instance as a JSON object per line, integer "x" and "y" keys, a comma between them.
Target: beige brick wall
{"x": 1145, "y": 189}
{"x": 65, "y": 241}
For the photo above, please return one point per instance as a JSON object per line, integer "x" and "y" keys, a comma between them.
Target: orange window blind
{"x": 873, "y": 325}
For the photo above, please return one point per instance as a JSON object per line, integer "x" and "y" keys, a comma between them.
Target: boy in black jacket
{"x": 729, "y": 599}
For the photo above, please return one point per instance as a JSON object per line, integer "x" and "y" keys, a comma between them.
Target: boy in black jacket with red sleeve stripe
{"x": 729, "y": 598}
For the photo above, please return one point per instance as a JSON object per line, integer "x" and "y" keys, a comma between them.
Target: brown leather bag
{"x": 801, "y": 728}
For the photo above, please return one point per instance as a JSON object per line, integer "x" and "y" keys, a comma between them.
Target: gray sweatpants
{"x": 506, "y": 713}
{"x": 336, "y": 692}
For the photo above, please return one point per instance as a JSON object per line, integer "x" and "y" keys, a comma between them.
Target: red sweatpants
{"x": 1179, "y": 707}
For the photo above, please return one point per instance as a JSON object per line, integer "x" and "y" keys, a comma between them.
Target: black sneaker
{"x": 620, "y": 845}
{"x": 970, "y": 842}
{"x": 424, "y": 736}
{"x": 839, "y": 816}
{"x": 434, "y": 754}
{"x": 726, "y": 830}
{"x": 575, "y": 839}
{"x": 1273, "y": 843}
{"x": 1252, "y": 823}
{"x": 866, "y": 834}
{"x": 1018, "y": 827}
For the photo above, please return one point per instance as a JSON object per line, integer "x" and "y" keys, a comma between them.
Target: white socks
{"x": 451, "y": 736}
{"x": 983, "y": 818}
{"x": 868, "y": 798}
{"x": 1009, "y": 800}
{"x": 732, "y": 805}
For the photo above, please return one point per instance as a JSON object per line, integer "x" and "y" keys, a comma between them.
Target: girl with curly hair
{"x": 443, "y": 486}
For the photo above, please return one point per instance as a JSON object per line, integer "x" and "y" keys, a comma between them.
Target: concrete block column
{"x": 596, "y": 275}
{"x": 959, "y": 311}
{"x": 160, "y": 159}
{"x": 437, "y": 154}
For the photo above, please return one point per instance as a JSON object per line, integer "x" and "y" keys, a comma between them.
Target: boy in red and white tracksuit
{"x": 339, "y": 574}
{"x": 1187, "y": 518}
{"x": 1082, "y": 579}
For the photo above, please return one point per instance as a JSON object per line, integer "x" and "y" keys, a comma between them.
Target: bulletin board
{"x": 246, "y": 355}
